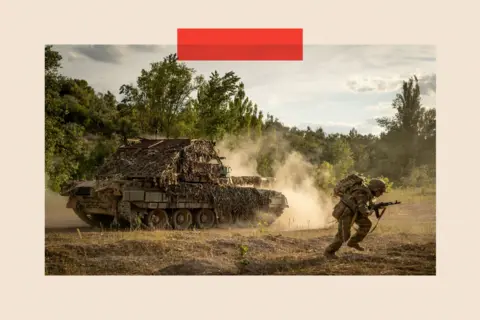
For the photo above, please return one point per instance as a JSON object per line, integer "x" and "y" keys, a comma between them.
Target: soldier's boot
{"x": 330, "y": 255}
{"x": 331, "y": 249}
{"x": 355, "y": 246}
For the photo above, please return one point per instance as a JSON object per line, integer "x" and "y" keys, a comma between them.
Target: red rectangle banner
{"x": 240, "y": 44}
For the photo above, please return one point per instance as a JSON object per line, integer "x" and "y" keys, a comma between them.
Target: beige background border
{"x": 28, "y": 25}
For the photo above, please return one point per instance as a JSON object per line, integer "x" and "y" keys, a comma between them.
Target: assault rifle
{"x": 381, "y": 205}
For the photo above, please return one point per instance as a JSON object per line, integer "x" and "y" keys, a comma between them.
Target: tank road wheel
{"x": 225, "y": 220}
{"x": 157, "y": 219}
{"x": 182, "y": 219}
{"x": 205, "y": 219}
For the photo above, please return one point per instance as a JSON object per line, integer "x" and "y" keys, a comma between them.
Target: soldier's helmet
{"x": 377, "y": 185}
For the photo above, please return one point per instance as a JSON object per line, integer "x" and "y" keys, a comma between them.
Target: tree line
{"x": 83, "y": 126}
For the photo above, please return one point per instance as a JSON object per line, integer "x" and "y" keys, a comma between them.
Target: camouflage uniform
{"x": 353, "y": 208}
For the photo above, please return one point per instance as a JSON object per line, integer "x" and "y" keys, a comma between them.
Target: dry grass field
{"x": 404, "y": 243}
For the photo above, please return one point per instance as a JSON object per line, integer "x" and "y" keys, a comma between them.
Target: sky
{"x": 335, "y": 87}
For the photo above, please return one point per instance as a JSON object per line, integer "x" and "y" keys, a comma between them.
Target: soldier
{"x": 353, "y": 208}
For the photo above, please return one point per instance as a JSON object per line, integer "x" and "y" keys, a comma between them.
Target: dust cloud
{"x": 56, "y": 213}
{"x": 309, "y": 207}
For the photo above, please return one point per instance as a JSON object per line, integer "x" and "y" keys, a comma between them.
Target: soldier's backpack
{"x": 346, "y": 184}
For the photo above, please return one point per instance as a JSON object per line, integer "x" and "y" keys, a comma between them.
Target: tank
{"x": 172, "y": 184}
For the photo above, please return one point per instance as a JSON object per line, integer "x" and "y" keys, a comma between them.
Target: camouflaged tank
{"x": 172, "y": 184}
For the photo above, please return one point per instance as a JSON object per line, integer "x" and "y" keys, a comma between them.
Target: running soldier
{"x": 355, "y": 198}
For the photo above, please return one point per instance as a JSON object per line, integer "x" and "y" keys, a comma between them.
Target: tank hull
{"x": 182, "y": 206}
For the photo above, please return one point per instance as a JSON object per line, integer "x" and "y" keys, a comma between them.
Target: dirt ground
{"x": 404, "y": 243}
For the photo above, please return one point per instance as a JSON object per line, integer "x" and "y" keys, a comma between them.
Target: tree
{"x": 240, "y": 114}
{"x": 341, "y": 157}
{"x": 403, "y": 142}
{"x": 161, "y": 94}
{"x": 212, "y": 104}
{"x": 80, "y": 128}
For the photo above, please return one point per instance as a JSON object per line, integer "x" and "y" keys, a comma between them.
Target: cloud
{"x": 146, "y": 47}
{"x": 72, "y": 56}
{"x": 374, "y": 84}
{"x": 382, "y": 57}
{"x": 114, "y": 54}
{"x": 428, "y": 84}
{"x": 101, "y": 53}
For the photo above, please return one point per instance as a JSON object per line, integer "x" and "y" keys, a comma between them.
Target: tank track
{"x": 178, "y": 219}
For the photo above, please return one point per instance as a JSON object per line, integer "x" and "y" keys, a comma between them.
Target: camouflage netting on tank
{"x": 175, "y": 163}
{"x": 163, "y": 160}
{"x": 148, "y": 158}
{"x": 237, "y": 201}
{"x": 199, "y": 162}
{"x": 239, "y": 180}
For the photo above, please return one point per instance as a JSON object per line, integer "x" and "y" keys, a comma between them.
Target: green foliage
{"x": 409, "y": 137}
{"x": 79, "y": 123}
{"x": 243, "y": 254}
{"x": 161, "y": 95}
{"x": 243, "y": 250}
{"x": 418, "y": 177}
{"x": 83, "y": 127}
{"x": 265, "y": 165}
{"x": 341, "y": 156}
{"x": 325, "y": 176}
